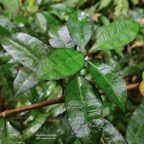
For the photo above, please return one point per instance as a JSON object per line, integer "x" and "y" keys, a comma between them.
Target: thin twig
{"x": 129, "y": 87}
{"x": 49, "y": 102}
{"x": 31, "y": 107}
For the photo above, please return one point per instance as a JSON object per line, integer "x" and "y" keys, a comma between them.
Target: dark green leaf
{"x": 59, "y": 64}
{"x": 84, "y": 110}
{"x": 135, "y": 129}
{"x": 116, "y": 35}
{"x": 61, "y": 38}
{"x": 56, "y": 132}
{"x": 110, "y": 82}
{"x": 24, "y": 81}
{"x": 111, "y": 135}
{"x": 24, "y": 48}
{"x": 80, "y": 29}
{"x": 8, "y": 134}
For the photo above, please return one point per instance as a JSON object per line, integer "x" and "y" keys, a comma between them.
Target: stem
{"x": 31, "y": 107}
{"x": 129, "y": 87}
{"x": 48, "y": 102}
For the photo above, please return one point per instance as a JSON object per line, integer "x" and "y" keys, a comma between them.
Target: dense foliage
{"x": 84, "y": 52}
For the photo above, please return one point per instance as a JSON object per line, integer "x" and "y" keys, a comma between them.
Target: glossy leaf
{"x": 110, "y": 82}
{"x": 111, "y": 135}
{"x": 84, "y": 110}
{"x": 80, "y": 29}
{"x": 24, "y": 48}
{"x": 33, "y": 123}
{"x": 135, "y": 129}
{"x": 35, "y": 120}
{"x": 24, "y": 81}
{"x": 59, "y": 64}
{"x": 116, "y": 35}
{"x": 6, "y": 23}
{"x": 42, "y": 22}
{"x": 61, "y": 38}
{"x": 8, "y": 134}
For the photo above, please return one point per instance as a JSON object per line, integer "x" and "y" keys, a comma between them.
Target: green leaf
{"x": 42, "y": 22}
{"x": 60, "y": 37}
{"x": 111, "y": 135}
{"x": 104, "y": 3}
{"x": 121, "y": 7}
{"x": 24, "y": 81}
{"x": 33, "y": 123}
{"x": 8, "y": 134}
{"x": 135, "y": 2}
{"x": 59, "y": 64}
{"x": 6, "y": 26}
{"x": 6, "y": 23}
{"x": 11, "y": 7}
{"x": 84, "y": 110}
{"x": 110, "y": 82}
{"x": 116, "y": 35}
{"x": 80, "y": 29}
{"x": 24, "y": 48}
{"x": 57, "y": 132}
{"x": 135, "y": 129}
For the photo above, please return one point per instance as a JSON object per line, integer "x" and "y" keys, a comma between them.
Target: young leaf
{"x": 111, "y": 135}
{"x": 135, "y": 129}
{"x": 59, "y": 64}
{"x": 80, "y": 29}
{"x": 24, "y": 81}
{"x": 61, "y": 38}
{"x": 24, "y": 48}
{"x": 116, "y": 35}
{"x": 8, "y": 134}
{"x": 84, "y": 110}
{"x": 110, "y": 82}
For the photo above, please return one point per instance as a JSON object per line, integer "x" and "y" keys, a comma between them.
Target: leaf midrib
{"x": 81, "y": 96}
{"x": 98, "y": 46}
{"x": 78, "y": 55}
{"x": 107, "y": 83}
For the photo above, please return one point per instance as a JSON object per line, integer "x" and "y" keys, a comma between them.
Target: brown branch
{"x": 31, "y": 107}
{"x": 47, "y": 103}
{"x": 129, "y": 87}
